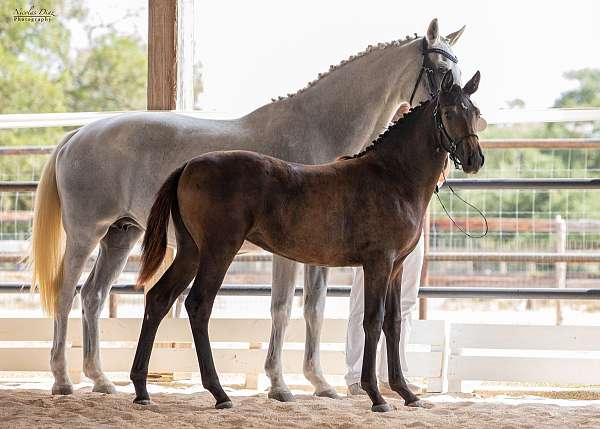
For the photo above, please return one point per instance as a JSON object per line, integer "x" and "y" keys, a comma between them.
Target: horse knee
{"x": 90, "y": 302}
{"x": 157, "y": 303}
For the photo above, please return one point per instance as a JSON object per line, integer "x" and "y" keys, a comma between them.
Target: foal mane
{"x": 395, "y": 129}
{"x": 332, "y": 68}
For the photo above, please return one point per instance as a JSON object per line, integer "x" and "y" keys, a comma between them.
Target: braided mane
{"x": 332, "y": 68}
{"x": 395, "y": 128}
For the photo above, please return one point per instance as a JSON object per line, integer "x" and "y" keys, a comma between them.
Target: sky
{"x": 255, "y": 50}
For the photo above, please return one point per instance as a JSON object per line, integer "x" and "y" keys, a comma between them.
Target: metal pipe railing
{"x": 538, "y": 257}
{"x": 472, "y": 184}
{"x": 344, "y": 291}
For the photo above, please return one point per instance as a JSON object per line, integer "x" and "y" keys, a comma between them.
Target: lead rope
{"x": 468, "y": 234}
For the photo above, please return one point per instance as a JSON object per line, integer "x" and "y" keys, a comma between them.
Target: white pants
{"x": 355, "y": 337}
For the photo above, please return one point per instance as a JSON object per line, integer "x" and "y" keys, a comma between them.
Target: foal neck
{"x": 411, "y": 153}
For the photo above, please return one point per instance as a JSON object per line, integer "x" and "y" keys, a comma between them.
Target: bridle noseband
{"x": 428, "y": 69}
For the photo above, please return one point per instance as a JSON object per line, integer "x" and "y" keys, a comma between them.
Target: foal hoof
{"x": 328, "y": 393}
{"x": 419, "y": 403}
{"x": 104, "y": 388}
{"x": 382, "y": 408}
{"x": 142, "y": 401}
{"x": 62, "y": 389}
{"x": 281, "y": 395}
{"x": 224, "y": 405}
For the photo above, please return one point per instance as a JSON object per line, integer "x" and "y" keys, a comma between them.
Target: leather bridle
{"x": 446, "y": 142}
{"x": 428, "y": 69}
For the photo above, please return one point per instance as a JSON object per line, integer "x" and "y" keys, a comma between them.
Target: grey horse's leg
{"x": 315, "y": 292}
{"x": 282, "y": 294}
{"x": 114, "y": 249}
{"x": 77, "y": 251}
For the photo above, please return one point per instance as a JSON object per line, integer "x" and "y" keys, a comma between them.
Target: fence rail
{"x": 344, "y": 291}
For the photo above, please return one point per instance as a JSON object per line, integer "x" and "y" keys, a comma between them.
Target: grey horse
{"x": 99, "y": 184}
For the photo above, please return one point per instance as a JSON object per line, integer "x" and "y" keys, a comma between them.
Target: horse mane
{"x": 332, "y": 68}
{"x": 395, "y": 128}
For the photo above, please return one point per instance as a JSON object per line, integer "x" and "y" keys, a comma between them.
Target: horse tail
{"x": 47, "y": 244}
{"x": 154, "y": 245}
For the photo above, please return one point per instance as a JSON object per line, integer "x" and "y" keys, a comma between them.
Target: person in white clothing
{"x": 355, "y": 339}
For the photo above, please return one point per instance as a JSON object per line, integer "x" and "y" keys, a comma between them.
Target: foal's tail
{"x": 46, "y": 248}
{"x": 154, "y": 245}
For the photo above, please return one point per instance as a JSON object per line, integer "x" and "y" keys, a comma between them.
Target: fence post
{"x": 113, "y": 304}
{"x": 440, "y": 385}
{"x": 425, "y": 269}
{"x": 560, "y": 267}
{"x": 252, "y": 380}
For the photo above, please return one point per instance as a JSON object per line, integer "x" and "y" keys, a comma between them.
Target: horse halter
{"x": 451, "y": 144}
{"x": 428, "y": 69}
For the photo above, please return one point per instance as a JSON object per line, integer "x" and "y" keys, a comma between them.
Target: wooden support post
{"x": 560, "y": 267}
{"x": 113, "y": 304}
{"x": 425, "y": 269}
{"x": 162, "y": 54}
{"x": 162, "y": 82}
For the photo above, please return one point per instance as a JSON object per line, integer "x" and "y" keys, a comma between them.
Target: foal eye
{"x": 447, "y": 115}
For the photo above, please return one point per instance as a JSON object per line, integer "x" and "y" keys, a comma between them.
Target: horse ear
{"x": 453, "y": 37}
{"x": 447, "y": 81}
{"x": 472, "y": 85}
{"x": 433, "y": 32}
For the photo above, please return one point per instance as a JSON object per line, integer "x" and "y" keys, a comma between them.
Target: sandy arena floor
{"x": 28, "y": 408}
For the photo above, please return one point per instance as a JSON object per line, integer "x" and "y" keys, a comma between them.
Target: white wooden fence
{"x": 246, "y": 358}
{"x": 448, "y": 353}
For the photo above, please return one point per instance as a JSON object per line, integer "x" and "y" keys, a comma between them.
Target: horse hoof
{"x": 281, "y": 395}
{"x": 419, "y": 403}
{"x": 224, "y": 405}
{"x": 62, "y": 389}
{"x": 382, "y": 408}
{"x": 142, "y": 401}
{"x": 104, "y": 388}
{"x": 328, "y": 393}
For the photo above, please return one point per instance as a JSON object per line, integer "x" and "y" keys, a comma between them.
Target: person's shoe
{"x": 355, "y": 389}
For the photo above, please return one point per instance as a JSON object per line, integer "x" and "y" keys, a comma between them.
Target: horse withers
{"x": 364, "y": 211}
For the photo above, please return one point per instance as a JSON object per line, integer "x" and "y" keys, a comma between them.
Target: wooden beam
{"x": 162, "y": 54}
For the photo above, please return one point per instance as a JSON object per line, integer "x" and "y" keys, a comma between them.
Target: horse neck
{"x": 412, "y": 156}
{"x": 350, "y": 106}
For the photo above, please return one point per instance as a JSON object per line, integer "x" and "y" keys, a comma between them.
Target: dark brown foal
{"x": 364, "y": 211}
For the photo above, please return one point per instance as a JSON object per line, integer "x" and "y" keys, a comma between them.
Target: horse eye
{"x": 447, "y": 115}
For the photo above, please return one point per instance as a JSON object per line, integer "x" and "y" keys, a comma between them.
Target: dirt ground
{"x": 33, "y": 408}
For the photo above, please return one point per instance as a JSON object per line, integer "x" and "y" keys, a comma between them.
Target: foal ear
{"x": 447, "y": 81}
{"x": 472, "y": 85}
{"x": 433, "y": 32}
{"x": 453, "y": 37}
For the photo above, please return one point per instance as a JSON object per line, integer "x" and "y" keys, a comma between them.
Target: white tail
{"x": 47, "y": 245}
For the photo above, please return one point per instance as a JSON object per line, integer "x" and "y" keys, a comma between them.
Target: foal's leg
{"x": 114, "y": 248}
{"x": 282, "y": 294}
{"x": 377, "y": 275}
{"x": 213, "y": 264}
{"x": 158, "y": 302}
{"x": 77, "y": 252}
{"x": 391, "y": 327}
{"x": 315, "y": 292}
